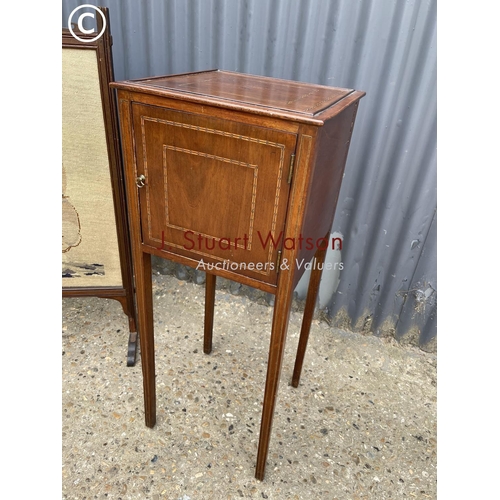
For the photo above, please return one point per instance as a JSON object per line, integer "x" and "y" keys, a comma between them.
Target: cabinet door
{"x": 215, "y": 190}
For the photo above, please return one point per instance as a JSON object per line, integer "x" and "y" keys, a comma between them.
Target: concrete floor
{"x": 362, "y": 423}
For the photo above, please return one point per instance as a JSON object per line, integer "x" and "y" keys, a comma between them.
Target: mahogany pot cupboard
{"x": 240, "y": 173}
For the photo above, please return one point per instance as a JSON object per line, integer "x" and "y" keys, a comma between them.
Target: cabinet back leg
{"x": 312, "y": 295}
{"x": 209, "y": 312}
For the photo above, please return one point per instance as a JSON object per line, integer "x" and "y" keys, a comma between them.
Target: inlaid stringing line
{"x": 225, "y": 134}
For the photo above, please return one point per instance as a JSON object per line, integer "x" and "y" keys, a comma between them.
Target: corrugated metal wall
{"x": 387, "y": 207}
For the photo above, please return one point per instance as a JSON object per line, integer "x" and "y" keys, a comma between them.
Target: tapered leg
{"x": 276, "y": 348}
{"x": 144, "y": 297}
{"x": 312, "y": 295}
{"x": 209, "y": 312}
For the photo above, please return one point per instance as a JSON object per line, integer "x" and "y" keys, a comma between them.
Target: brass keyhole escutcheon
{"x": 140, "y": 181}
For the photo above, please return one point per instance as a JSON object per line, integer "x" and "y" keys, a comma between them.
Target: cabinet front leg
{"x": 209, "y": 312}
{"x": 276, "y": 349}
{"x": 312, "y": 295}
{"x": 144, "y": 296}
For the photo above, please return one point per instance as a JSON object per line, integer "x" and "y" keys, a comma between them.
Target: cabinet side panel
{"x": 333, "y": 145}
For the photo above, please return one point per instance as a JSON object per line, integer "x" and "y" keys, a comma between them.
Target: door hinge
{"x": 290, "y": 173}
{"x": 278, "y": 261}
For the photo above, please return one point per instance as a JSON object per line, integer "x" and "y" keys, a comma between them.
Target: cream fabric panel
{"x": 90, "y": 256}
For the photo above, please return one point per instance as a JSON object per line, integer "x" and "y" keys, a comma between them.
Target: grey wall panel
{"x": 387, "y": 205}
{"x": 419, "y": 298}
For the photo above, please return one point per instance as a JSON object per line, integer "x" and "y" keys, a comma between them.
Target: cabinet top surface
{"x": 237, "y": 89}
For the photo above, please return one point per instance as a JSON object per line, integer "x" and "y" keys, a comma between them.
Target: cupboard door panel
{"x": 215, "y": 190}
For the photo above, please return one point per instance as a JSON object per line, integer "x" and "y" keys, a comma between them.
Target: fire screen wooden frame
{"x": 96, "y": 256}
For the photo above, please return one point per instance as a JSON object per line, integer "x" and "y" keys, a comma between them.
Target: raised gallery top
{"x": 264, "y": 95}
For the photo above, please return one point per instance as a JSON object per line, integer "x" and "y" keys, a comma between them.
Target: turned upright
{"x": 243, "y": 173}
